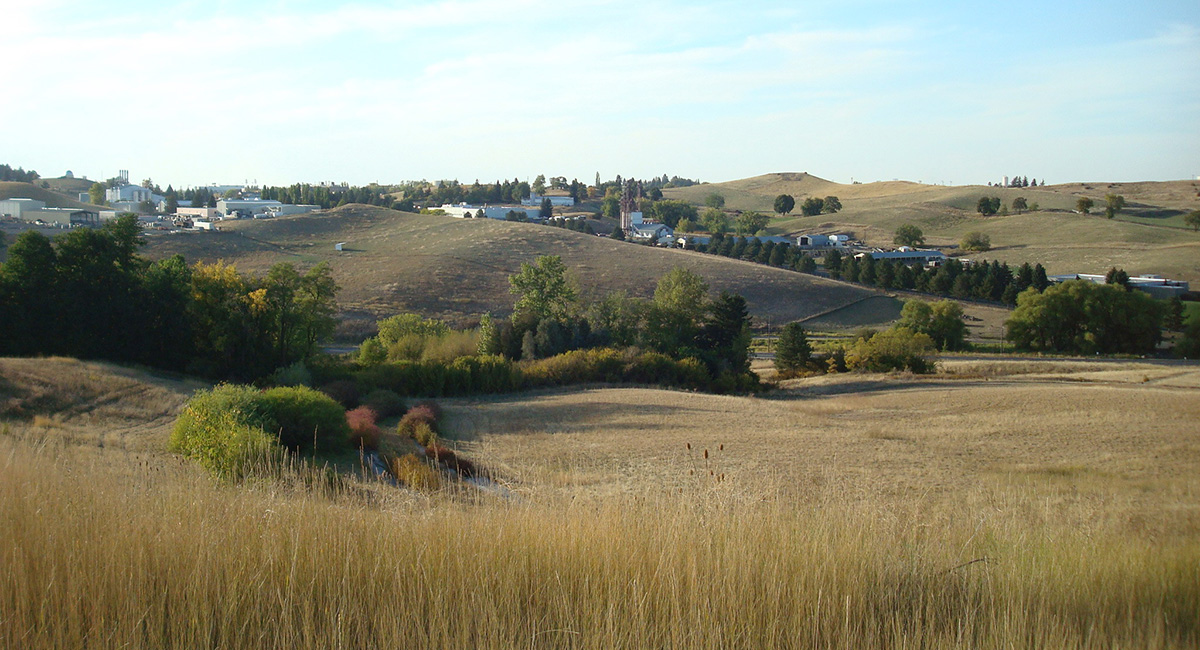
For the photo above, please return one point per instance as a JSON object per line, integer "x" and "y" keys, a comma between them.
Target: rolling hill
{"x": 11, "y": 190}
{"x": 457, "y": 269}
{"x": 1147, "y": 237}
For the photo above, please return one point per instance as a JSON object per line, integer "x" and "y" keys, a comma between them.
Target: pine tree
{"x": 792, "y": 352}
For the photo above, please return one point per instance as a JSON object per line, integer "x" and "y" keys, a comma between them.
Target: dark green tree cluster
{"x": 753, "y": 249}
{"x": 88, "y": 294}
{"x": 681, "y": 321}
{"x": 988, "y": 205}
{"x": 200, "y": 197}
{"x": 993, "y": 281}
{"x": 18, "y": 175}
{"x": 578, "y": 225}
{"x": 671, "y": 212}
{"x": 1082, "y": 317}
{"x": 941, "y": 321}
{"x": 328, "y": 197}
{"x": 1023, "y": 181}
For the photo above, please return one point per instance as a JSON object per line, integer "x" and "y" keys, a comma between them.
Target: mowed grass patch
{"x": 457, "y": 269}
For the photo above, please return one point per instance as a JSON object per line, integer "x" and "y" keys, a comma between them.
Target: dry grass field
{"x": 1147, "y": 237}
{"x": 1036, "y": 503}
{"x": 53, "y": 199}
{"x": 457, "y": 269}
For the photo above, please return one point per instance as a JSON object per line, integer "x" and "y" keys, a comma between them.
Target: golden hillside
{"x": 1148, "y": 236}
{"x": 458, "y": 269}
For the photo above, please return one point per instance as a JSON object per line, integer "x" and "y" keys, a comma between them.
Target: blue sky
{"x": 285, "y": 91}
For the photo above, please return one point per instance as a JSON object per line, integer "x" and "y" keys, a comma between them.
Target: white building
{"x": 498, "y": 212}
{"x": 535, "y": 200}
{"x": 19, "y": 207}
{"x": 656, "y": 233}
{"x": 246, "y": 207}
{"x": 822, "y": 241}
{"x": 130, "y": 194}
{"x": 287, "y": 209}
{"x": 907, "y": 255}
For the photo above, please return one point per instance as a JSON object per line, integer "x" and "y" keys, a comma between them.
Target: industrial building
{"x": 1151, "y": 284}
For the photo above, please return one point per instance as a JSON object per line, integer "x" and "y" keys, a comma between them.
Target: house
{"x": 656, "y": 233}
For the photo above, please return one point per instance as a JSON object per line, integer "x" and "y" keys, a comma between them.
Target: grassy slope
{"x": 1147, "y": 238}
{"x": 855, "y": 511}
{"x": 458, "y": 268}
{"x": 10, "y": 190}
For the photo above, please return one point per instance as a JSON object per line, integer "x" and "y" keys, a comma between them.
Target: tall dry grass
{"x": 89, "y": 558}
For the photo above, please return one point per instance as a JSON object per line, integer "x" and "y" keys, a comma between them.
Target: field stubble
{"x": 1029, "y": 509}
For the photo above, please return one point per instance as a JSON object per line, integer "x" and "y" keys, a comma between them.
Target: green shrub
{"x": 898, "y": 348}
{"x": 225, "y": 429}
{"x": 306, "y": 419}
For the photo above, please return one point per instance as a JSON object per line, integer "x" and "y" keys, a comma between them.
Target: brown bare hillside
{"x": 458, "y": 269}
{"x": 92, "y": 404}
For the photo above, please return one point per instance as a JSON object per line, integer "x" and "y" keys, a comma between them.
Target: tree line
{"x": 18, "y": 175}
{"x": 88, "y": 294}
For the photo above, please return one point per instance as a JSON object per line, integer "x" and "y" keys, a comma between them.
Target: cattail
{"x": 721, "y": 447}
{"x": 706, "y": 454}
{"x": 689, "y": 446}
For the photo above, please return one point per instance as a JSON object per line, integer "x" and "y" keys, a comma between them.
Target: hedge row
{"x": 496, "y": 374}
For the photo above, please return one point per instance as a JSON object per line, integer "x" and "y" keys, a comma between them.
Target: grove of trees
{"x": 1082, "y": 317}
{"x": 87, "y": 294}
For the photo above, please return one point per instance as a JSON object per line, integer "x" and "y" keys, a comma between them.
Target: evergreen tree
{"x": 792, "y": 351}
{"x": 726, "y": 334}
{"x": 1040, "y": 281}
{"x": 833, "y": 264}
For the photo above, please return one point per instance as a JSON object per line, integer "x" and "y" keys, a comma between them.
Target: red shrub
{"x": 364, "y": 434}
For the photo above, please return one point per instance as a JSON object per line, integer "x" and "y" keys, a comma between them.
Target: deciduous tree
{"x": 749, "y": 223}
{"x": 543, "y": 289}
{"x": 812, "y": 206}
{"x": 784, "y": 204}
{"x": 908, "y": 235}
